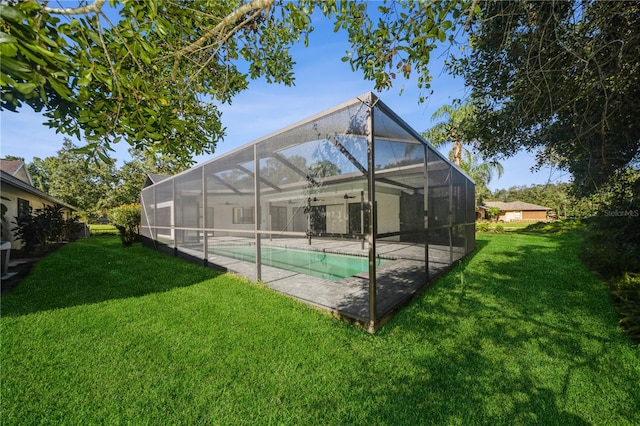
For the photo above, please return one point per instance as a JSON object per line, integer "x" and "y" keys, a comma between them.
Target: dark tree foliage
{"x": 45, "y": 225}
{"x": 148, "y": 73}
{"x": 152, "y": 73}
{"x": 560, "y": 77}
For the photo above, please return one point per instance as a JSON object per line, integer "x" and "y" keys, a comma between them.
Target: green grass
{"x": 97, "y": 229}
{"x": 513, "y": 226}
{"x": 519, "y": 333}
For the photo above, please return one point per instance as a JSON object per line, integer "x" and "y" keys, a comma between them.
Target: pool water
{"x": 318, "y": 264}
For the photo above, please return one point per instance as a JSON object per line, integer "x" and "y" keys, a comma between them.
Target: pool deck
{"x": 397, "y": 281}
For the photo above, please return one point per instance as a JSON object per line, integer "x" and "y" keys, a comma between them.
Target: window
{"x": 318, "y": 219}
{"x": 243, "y": 215}
{"x": 355, "y": 224}
{"x": 23, "y": 207}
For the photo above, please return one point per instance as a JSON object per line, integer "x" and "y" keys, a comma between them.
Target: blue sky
{"x": 322, "y": 81}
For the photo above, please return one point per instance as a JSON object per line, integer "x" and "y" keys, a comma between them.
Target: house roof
{"x": 14, "y": 167}
{"x": 153, "y": 178}
{"x": 514, "y": 206}
{"x": 10, "y": 166}
{"x": 8, "y": 179}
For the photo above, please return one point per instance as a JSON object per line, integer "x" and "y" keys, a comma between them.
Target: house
{"x": 19, "y": 197}
{"x": 153, "y": 178}
{"x": 516, "y": 211}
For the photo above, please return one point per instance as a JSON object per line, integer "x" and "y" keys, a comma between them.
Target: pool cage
{"x": 349, "y": 210}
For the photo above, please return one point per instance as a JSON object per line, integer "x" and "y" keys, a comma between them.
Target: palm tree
{"x": 453, "y": 130}
{"x": 456, "y": 129}
{"x": 481, "y": 173}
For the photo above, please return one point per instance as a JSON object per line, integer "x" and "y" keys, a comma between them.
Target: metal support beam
{"x": 426, "y": 211}
{"x": 173, "y": 217}
{"x": 203, "y": 225}
{"x": 347, "y": 154}
{"x": 373, "y": 219}
{"x": 263, "y": 180}
{"x": 281, "y": 158}
{"x": 450, "y": 215}
{"x": 256, "y": 214}
{"x": 224, "y": 183}
{"x": 362, "y": 213}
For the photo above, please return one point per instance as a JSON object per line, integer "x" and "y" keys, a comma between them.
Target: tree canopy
{"x": 97, "y": 186}
{"x": 561, "y": 78}
{"x": 151, "y": 72}
{"x": 458, "y": 128}
{"x": 152, "y": 76}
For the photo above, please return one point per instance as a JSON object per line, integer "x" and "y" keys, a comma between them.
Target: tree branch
{"x": 90, "y": 8}
{"x": 232, "y": 17}
{"x": 467, "y": 24}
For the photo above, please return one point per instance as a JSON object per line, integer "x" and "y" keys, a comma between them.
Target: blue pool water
{"x": 318, "y": 264}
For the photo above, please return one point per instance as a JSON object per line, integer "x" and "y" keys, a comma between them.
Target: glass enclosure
{"x": 350, "y": 210}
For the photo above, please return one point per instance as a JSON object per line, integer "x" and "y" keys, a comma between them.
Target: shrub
{"x": 43, "y": 226}
{"x": 612, "y": 246}
{"x": 126, "y": 219}
{"x": 499, "y": 229}
{"x": 626, "y": 296}
{"x": 494, "y": 213}
{"x": 482, "y": 227}
{"x": 72, "y": 229}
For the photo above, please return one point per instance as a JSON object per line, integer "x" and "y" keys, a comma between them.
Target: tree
{"x": 150, "y": 76}
{"x": 127, "y": 219}
{"x": 41, "y": 171}
{"x": 562, "y": 78}
{"x": 458, "y": 130}
{"x": 494, "y": 213}
{"x": 324, "y": 168}
{"x": 13, "y": 158}
{"x": 481, "y": 173}
{"x": 454, "y": 130}
{"x": 72, "y": 177}
{"x": 131, "y": 176}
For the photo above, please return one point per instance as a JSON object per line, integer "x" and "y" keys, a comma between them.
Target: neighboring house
{"x": 153, "y": 178}
{"x": 516, "y": 211}
{"x": 19, "y": 197}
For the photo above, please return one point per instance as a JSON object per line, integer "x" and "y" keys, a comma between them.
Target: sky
{"x": 322, "y": 81}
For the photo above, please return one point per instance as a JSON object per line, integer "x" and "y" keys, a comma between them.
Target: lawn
{"x": 98, "y": 229}
{"x": 519, "y": 333}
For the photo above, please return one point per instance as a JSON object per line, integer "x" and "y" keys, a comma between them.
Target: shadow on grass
{"x": 95, "y": 270}
{"x": 396, "y": 287}
{"x": 520, "y": 332}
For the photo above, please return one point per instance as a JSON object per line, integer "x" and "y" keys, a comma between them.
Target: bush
{"x": 126, "y": 219}
{"x": 612, "y": 246}
{"x": 499, "y": 229}
{"x": 626, "y": 296}
{"x": 482, "y": 227}
{"x": 43, "y": 226}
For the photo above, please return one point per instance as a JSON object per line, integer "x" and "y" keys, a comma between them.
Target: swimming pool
{"x": 318, "y": 264}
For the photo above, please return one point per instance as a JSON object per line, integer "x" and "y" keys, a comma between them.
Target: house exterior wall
{"x": 13, "y": 194}
{"x": 23, "y": 175}
{"x": 337, "y": 218}
{"x": 534, "y": 216}
{"x": 512, "y": 216}
{"x": 388, "y": 213}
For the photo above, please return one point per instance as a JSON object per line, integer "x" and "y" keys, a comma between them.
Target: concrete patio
{"x": 397, "y": 281}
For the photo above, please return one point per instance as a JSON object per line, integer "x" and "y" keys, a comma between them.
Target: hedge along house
{"x": 349, "y": 210}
